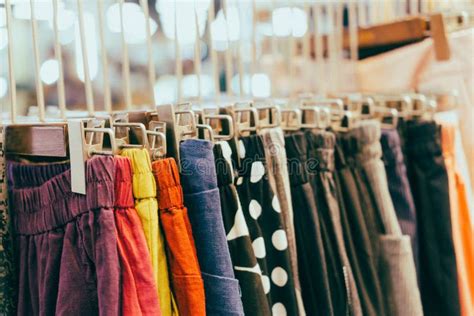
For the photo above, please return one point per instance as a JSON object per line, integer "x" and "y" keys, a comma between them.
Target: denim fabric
{"x": 399, "y": 186}
{"x": 429, "y": 182}
{"x": 201, "y": 197}
{"x": 67, "y": 256}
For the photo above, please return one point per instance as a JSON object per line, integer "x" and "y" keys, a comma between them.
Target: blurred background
{"x": 256, "y": 37}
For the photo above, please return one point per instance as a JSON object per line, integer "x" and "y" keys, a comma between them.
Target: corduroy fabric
{"x": 188, "y": 285}
{"x": 275, "y": 156}
{"x": 139, "y": 294}
{"x": 430, "y": 186}
{"x": 144, "y": 191}
{"x": 368, "y": 155}
{"x": 201, "y": 197}
{"x": 321, "y": 166}
{"x": 463, "y": 233}
{"x": 67, "y": 256}
{"x": 398, "y": 273}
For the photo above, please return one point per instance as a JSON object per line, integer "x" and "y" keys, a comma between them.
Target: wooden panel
{"x": 407, "y": 30}
{"x": 440, "y": 39}
{"x": 36, "y": 140}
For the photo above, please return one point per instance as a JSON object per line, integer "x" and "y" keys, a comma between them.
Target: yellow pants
{"x": 144, "y": 192}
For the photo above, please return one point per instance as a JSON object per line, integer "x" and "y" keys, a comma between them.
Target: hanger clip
{"x": 122, "y": 128}
{"x": 86, "y": 138}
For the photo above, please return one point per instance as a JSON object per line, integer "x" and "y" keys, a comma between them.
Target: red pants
{"x": 139, "y": 294}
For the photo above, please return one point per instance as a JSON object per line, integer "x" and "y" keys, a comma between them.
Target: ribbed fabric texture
{"x": 139, "y": 293}
{"x": 398, "y": 273}
{"x": 67, "y": 248}
{"x": 186, "y": 277}
{"x": 144, "y": 191}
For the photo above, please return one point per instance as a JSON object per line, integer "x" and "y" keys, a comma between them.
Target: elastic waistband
{"x": 123, "y": 183}
{"x": 42, "y": 199}
{"x": 144, "y": 186}
{"x": 391, "y": 147}
{"x": 169, "y": 190}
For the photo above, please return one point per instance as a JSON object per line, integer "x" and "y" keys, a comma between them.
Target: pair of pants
{"x": 315, "y": 287}
{"x": 275, "y": 154}
{"x": 361, "y": 229}
{"x": 262, "y": 212}
{"x": 67, "y": 256}
{"x": 399, "y": 187}
{"x": 321, "y": 166}
{"x": 397, "y": 266}
{"x": 139, "y": 294}
{"x": 429, "y": 182}
{"x": 392, "y": 251}
{"x": 245, "y": 264}
{"x": 201, "y": 197}
{"x": 186, "y": 277}
{"x": 144, "y": 191}
{"x": 463, "y": 233}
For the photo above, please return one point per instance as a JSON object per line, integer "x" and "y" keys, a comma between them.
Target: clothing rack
{"x": 310, "y": 200}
